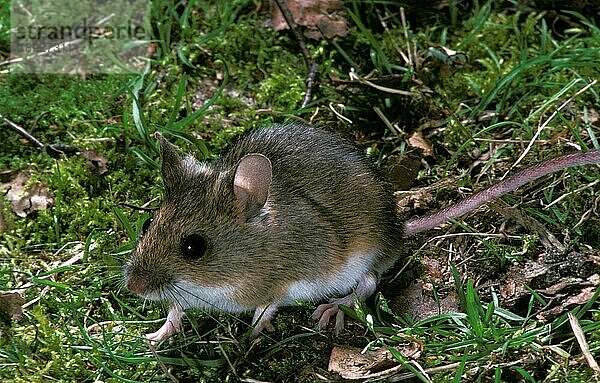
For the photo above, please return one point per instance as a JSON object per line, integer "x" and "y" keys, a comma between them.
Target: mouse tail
{"x": 418, "y": 225}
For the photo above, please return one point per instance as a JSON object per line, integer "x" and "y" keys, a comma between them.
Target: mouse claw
{"x": 339, "y": 323}
{"x": 259, "y": 327}
{"x": 323, "y": 313}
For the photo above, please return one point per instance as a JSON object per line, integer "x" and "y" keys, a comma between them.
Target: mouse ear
{"x": 171, "y": 167}
{"x": 251, "y": 183}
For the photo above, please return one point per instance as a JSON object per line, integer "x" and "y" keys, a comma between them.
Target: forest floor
{"x": 445, "y": 97}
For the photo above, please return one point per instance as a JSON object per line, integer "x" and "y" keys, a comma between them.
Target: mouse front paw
{"x": 262, "y": 319}
{"x": 171, "y": 326}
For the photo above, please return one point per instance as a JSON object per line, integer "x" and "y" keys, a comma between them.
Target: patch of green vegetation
{"x": 517, "y": 68}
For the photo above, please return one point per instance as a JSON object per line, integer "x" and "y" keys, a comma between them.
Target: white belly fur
{"x": 209, "y": 297}
{"x": 337, "y": 284}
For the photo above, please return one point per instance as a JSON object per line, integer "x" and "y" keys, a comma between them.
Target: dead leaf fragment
{"x": 95, "y": 162}
{"x": 26, "y": 198}
{"x": 322, "y": 18}
{"x": 417, "y": 140}
{"x": 418, "y": 303}
{"x": 568, "y": 295}
{"x": 11, "y": 306}
{"x": 351, "y": 363}
{"x": 403, "y": 170}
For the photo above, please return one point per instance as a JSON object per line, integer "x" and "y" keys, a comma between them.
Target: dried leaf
{"x": 351, "y": 363}
{"x": 11, "y": 306}
{"x": 418, "y": 141}
{"x": 416, "y": 301}
{"x": 26, "y": 199}
{"x": 569, "y": 294}
{"x": 322, "y": 18}
{"x": 402, "y": 171}
{"x": 96, "y": 163}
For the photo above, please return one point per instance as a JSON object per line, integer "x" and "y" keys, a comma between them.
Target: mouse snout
{"x": 147, "y": 281}
{"x": 136, "y": 284}
{"x": 136, "y": 279}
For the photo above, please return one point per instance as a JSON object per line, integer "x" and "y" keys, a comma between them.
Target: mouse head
{"x": 199, "y": 234}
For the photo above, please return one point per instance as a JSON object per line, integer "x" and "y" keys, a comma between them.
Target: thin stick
{"x": 585, "y": 349}
{"x": 23, "y": 132}
{"x": 54, "y": 150}
{"x": 311, "y": 79}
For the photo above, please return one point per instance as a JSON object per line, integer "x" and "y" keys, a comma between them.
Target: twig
{"x": 23, "y": 132}
{"x": 585, "y": 349}
{"x": 569, "y": 193}
{"x": 134, "y": 207}
{"x": 63, "y": 46}
{"x": 532, "y": 225}
{"x": 311, "y": 79}
{"x": 162, "y": 366}
{"x": 355, "y": 77}
{"x": 386, "y": 121}
{"x": 339, "y": 115}
{"x": 54, "y": 150}
{"x": 78, "y": 256}
{"x": 391, "y": 375}
{"x": 409, "y": 60}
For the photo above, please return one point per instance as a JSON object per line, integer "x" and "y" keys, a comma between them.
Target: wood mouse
{"x": 291, "y": 213}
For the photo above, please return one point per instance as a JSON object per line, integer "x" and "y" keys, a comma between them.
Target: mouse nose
{"x": 136, "y": 284}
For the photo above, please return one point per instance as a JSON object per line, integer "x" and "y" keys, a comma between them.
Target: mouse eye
{"x": 193, "y": 246}
{"x": 146, "y": 225}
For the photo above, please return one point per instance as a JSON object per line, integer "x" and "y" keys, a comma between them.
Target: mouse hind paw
{"x": 323, "y": 313}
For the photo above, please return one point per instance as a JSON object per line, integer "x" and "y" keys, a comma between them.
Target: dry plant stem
{"x": 311, "y": 79}
{"x": 408, "y": 59}
{"x": 163, "y": 367}
{"x": 354, "y": 77}
{"x": 585, "y": 349}
{"x": 53, "y": 149}
{"x": 22, "y": 132}
{"x": 391, "y": 374}
{"x": 134, "y": 207}
{"x": 386, "y": 121}
{"x": 71, "y": 261}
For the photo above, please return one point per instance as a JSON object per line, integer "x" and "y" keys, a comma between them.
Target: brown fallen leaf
{"x": 402, "y": 170}
{"x": 585, "y": 290}
{"x": 96, "y": 163}
{"x": 520, "y": 275}
{"x": 26, "y": 198}
{"x": 11, "y": 306}
{"x": 417, "y": 140}
{"x": 417, "y": 302}
{"x": 322, "y": 18}
{"x": 352, "y": 364}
